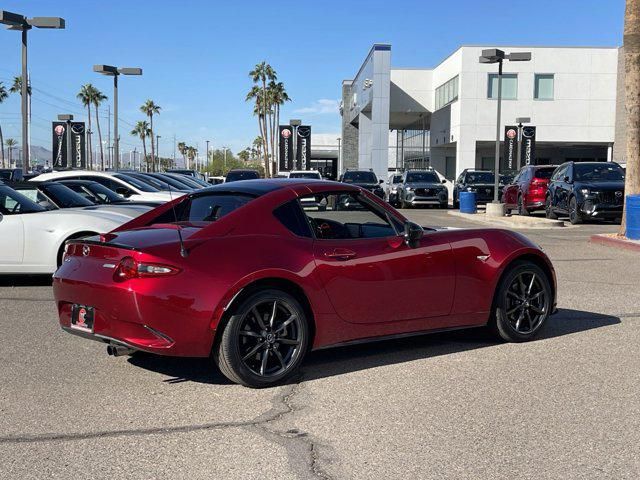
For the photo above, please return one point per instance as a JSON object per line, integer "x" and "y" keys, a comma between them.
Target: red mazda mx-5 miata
{"x": 256, "y": 273}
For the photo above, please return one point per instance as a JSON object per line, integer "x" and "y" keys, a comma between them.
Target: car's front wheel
{"x": 574, "y": 215}
{"x": 522, "y": 210}
{"x": 522, "y": 303}
{"x": 548, "y": 209}
{"x": 264, "y": 341}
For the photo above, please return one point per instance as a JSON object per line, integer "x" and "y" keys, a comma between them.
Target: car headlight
{"x": 585, "y": 191}
{"x": 408, "y": 189}
{"x": 469, "y": 189}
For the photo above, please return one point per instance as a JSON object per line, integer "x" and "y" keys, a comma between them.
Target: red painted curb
{"x": 615, "y": 242}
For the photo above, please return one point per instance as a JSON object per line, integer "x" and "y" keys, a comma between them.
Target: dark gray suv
{"x": 422, "y": 187}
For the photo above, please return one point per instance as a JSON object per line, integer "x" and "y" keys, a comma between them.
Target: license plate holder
{"x": 82, "y": 318}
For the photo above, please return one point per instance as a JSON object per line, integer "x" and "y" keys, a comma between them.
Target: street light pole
{"x": 15, "y": 21}
{"x": 496, "y": 175}
{"x": 157, "y": 150}
{"x": 207, "y": 157}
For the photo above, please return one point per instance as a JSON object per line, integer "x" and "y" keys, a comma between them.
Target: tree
{"x": 261, "y": 74}
{"x": 97, "y": 98}
{"x": 182, "y": 148}
{"x": 192, "y": 152}
{"x": 278, "y": 96}
{"x": 632, "y": 101}
{"x": 142, "y": 131}
{"x": 85, "y": 95}
{"x": 149, "y": 108}
{"x": 11, "y": 143}
{"x": 3, "y": 96}
{"x": 16, "y": 87}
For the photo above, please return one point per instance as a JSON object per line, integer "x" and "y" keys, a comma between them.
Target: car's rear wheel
{"x": 574, "y": 215}
{"x": 522, "y": 303}
{"x": 521, "y": 208}
{"x": 264, "y": 341}
{"x": 548, "y": 209}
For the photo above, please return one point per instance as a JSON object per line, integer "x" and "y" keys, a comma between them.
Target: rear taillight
{"x": 129, "y": 268}
{"x": 539, "y": 182}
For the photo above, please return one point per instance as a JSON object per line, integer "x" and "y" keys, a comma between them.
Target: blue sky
{"x": 196, "y": 54}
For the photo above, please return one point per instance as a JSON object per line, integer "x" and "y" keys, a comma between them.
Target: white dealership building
{"x": 446, "y": 116}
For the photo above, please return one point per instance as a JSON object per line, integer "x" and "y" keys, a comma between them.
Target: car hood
{"x": 601, "y": 186}
{"x": 107, "y": 216}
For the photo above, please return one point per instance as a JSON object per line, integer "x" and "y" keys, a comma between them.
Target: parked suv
{"x": 241, "y": 174}
{"x": 479, "y": 181}
{"x": 586, "y": 190}
{"x": 364, "y": 178}
{"x": 422, "y": 187}
{"x": 527, "y": 191}
{"x": 391, "y": 190}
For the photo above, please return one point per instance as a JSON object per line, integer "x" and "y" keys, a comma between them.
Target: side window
{"x": 569, "y": 172}
{"x": 347, "y": 216}
{"x": 291, "y": 216}
{"x": 460, "y": 178}
{"x": 558, "y": 173}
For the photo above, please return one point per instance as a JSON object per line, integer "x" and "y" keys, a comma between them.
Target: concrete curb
{"x": 612, "y": 240}
{"x": 515, "y": 221}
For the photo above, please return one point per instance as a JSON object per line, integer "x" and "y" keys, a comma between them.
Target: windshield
{"x": 396, "y": 179}
{"x": 145, "y": 187}
{"x": 480, "y": 177}
{"x": 315, "y": 175}
{"x": 359, "y": 177}
{"x": 605, "y": 172}
{"x": 204, "y": 208}
{"x": 183, "y": 179}
{"x": 12, "y": 202}
{"x": 422, "y": 177}
{"x": 235, "y": 175}
{"x": 96, "y": 192}
{"x": 65, "y": 197}
{"x": 149, "y": 180}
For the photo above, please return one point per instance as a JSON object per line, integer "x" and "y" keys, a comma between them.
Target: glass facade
{"x": 543, "y": 86}
{"x": 509, "y": 86}
{"x": 413, "y": 146}
{"x": 447, "y": 93}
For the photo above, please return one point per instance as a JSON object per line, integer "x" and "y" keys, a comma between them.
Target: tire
{"x": 521, "y": 305}
{"x": 574, "y": 215}
{"x": 521, "y": 208}
{"x": 548, "y": 209}
{"x": 243, "y": 345}
{"x": 404, "y": 204}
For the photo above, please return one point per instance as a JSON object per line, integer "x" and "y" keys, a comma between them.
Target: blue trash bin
{"x": 468, "y": 202}
{"x": 633, "y": 217}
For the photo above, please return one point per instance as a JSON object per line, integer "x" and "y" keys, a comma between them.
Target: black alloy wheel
{"x": 523, "y": 302}
{"x": 521, "y": 208}
{"x": 548, "y": 209}
{"x": 574, "y": 215}
{"x": 265, "y": 340}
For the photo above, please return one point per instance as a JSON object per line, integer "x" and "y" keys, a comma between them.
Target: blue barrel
{"x": 633, "y": 217}
{"x": 468, "y": 202}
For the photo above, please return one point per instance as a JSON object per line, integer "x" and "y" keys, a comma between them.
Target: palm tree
{"x": 97, "y": 98}
{"x": 142, "y": 131}
{"x": 149, "y": 108}
{"x": 182, "y": 148}
{"x": 632, "y": 101}
{"x": 262, "y": 73}
{"x": 11, "y": 143}
{"x": 85, "y": 95}
{"x": 16, "y": 87}
{"x": 3, "y": 96}
{"x": 278, "y": 96}
{"x": 191, "y": 154}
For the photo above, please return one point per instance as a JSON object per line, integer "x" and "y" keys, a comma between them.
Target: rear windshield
{"x": 480, "y": 177}
{"x": 359, "y": 177}
{"x": 204, "y": 208}
{"x": 315, "y": 175}
{"x": 234, "y": 176}
{"x": 598, "y": 173}
{"x": 145, "y": 187}
{"x": 544, "y": 173}
{"x": 422, "y": 177}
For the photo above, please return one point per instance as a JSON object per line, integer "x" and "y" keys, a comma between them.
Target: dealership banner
{"x": 286, "y": 148}
{"x": 78, "y": 147}
{"x": 510, "y": 149}
{"x": 59, "y": 145}
{"x": 303, "y": 148}
{"x": 528, "y": 145}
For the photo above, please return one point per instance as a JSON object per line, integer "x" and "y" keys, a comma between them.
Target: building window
{"x": 543, "y": 86}
{"x": 450, "y": 168}
{"x": 509, "y": 86}
{"x": 447, "y": 93}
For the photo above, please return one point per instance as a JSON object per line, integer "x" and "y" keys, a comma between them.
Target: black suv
{"x": 365, "y": 179}
{"x": 480, "y": 181}
{"x": 586, "y": 190}
{"x": 422, "y": 187}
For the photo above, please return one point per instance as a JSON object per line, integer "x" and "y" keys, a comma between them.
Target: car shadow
{"x": 346, "y": 359}
{"x": 43, "y": 280}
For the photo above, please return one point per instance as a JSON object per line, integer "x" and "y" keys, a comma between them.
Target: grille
{"x": 610, "y": 198}
{"x": 424, "y": 192}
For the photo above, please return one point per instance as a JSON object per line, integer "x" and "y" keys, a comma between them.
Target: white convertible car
{"x": 32, "y": 238}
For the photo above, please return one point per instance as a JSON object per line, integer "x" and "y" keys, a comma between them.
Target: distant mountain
{"x": 40, "y": 155}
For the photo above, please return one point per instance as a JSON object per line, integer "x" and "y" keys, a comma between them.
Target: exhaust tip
{"x": 119, "y": 350}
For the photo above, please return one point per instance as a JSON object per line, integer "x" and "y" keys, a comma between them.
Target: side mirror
{"x": 413, "y": 233}
{"x": 380, "y": 182}
{"x": 567, "y": 179}
{"x": 444, "y": 180}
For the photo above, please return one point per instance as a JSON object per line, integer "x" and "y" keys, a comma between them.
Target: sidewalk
{"x": 512, "y": 221}
{"x": 615, "y": 240}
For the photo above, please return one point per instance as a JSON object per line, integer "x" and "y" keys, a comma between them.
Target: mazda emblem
{"x": 86, "y": 250}
{"x": 618, "y": 194}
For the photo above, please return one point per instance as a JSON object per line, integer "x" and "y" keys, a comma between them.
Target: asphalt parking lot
{"x": 455, "y": 405}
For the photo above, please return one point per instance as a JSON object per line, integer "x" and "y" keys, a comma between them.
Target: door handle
{"x": 340, "y": 254}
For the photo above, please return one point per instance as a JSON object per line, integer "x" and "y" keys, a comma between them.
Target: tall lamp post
{"x": 520, "y": 121}
{"x": 495, "y": 55}
{"x": 115, "y": 72}
{"x": 15, "y": 21}
{"x": 207, "y": 157}
{"x": 157, "y": 149}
